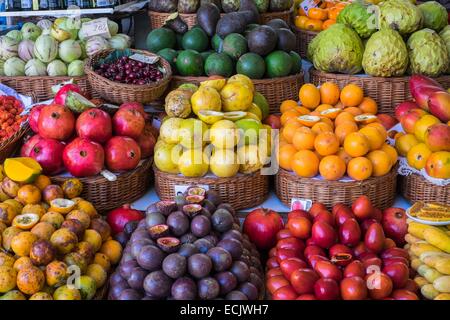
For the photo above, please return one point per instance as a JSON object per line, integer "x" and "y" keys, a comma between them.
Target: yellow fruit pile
{"x": 46, "y": 231}
{"x": 334, "y": 132}
{"x": 214, "y": 128}
{"x": 320, "y": 18}
{"x": 429, "y": 249}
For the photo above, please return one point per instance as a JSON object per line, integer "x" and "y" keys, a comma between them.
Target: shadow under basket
{"x": 380, "y": 190}
{"x": 107, "y": 195}
{"x": 416, "y": 188}
{"x": 241, "y": 191}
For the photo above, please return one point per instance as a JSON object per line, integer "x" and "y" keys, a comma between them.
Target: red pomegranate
{"x": 394, "y": 225}
{"x": 122, "y": 153}
{"x": 119, "y": 217}
{"x": 147, "y": 141}
{"x": 61, "y": 95}
{"x": 134, "y": 106}
{"x": 48, "y": 152}
{"x": 33, "y": 117}
{"x": 94, "y": 124}
{"x": 83, "y": 158}
{"x": 28, "y": 146}
{"x": 129, "y": 123}
{"x": 56, "y": 122}
{"x": 262, "y": 225}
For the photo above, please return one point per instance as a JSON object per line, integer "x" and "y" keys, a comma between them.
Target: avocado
{"x": 286, "y": 40}
{"x": 190, "y": 63}
{"x": 217, "y": 3}
{"x": 217, "y": 43}
{"x": 195, "y": 39}
{"x": 277, "y": 24}
{"x": 262, "y": 40}
{"x": 207, "y": 17}
{"x": 278, "y": 64}
{"x": 235, "y": 45}
{"x": 250, "y": 7}
{"x": 170, "y": 55}
{"x": 219, "y": 64}
{"x": 176, "y": 24}
{"x": 251, "y": 65}
{"x": 161, "y": 38}
{"x": 296, "y": 62}
{"x": 233, "y": 22}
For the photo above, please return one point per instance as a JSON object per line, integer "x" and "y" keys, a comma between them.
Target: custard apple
{"x": 337, "y": 49}
{"x": 400, "y": 15}
{"x": 262, "y": 5}
{"x": 358, "y": 16}
{"x": 445, "y": 35}
{"x": 434, "y": 15}
{"x": 385, "y": 55}
{"x": 427, "y": 53}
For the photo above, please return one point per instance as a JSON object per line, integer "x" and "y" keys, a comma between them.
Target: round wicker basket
{"x": 275, "y": 90}
{"x": 241, "y": 191}
{"x": 387, "y": 92}
{"x": 10, "y": 145}
{"x": 106, "y": 195}
{"x": 380, "y": 190}
{"x": 416, "y": 188}
{"x": 304, "y": 37}
{"x": 118, "y": 93}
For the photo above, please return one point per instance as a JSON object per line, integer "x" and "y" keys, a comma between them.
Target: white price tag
{"x": 308, "y": 4}
{"x": 301, "y": 204}
{"x": 97, "y": 27}
{"x": 180, "y": 189}
{"x": 143, "y": 58}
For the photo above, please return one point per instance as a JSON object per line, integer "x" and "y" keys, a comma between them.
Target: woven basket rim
{"x": 45, "y": 78}
{"x": 420, "y": 179}
{"x": 309, "y": 32}
{"x": 89, "y": 71}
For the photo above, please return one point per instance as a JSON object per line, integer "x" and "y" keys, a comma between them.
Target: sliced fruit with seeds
{"x": 63, "y": 206}
{"x": 366, "y": 118}
{"x": 308, "y": 120}
{"x": 217, "y": 84}
{"x": 331, "y": 113}
{"x": 196, "y": 191}
{"x": 234, "y": 115}
{"x": 210, "y": 116}
{"x": 195, "y": 198}
{"x": 26, "y": 221}
{"x": 192, "y": 210}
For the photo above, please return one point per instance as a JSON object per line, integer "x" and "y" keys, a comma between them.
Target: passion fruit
{"x": 200, "y": 226}
{"x": 236, "y": 295}
{"x": 7, "y": 213}
{"x": 22, "y": 242}
{"x": 136, "y": 279}
{"x": 196, "y": 191}
{"x": 233, "y": 234}
{"x": 56, "y": 273}
{"x": 43, "y": 230}
{"x": 249, "y": 290}
{"x": 137, "y": 245}
{"x": 184, "y": 289}
{"x": 88, "y": 287}
{"x": 152, "y": 219}
{"x": 81, "y": 216}
{"x": 25, "y": 221}
{"x": 13, "y": 295}
{"x": 203, "y": 245}
{"x": 140, "y": 234}
{"x": 240, "y": 270}
{"x": 76, "y": 259}
{"x": 126, "y": 268}
{"x": 211, "y": 238}
{"x": 6, "y": 259}
{"x": 52, "y": 192}
{"x": 41, "y": 296}
{"x": 29, "y": 194}
{"x": 174, "y": 265}
{"x": 86, "y": 250}
{"x": 195, "y": 199}
{"x": 199, "y": 265}
{"x": 191, "y": 210}
{"x": 97, "y": 273}
{"x": 168, "y": 244}
{"x": 187, "y": 250}
{"x": 208, "y": 288}
{"x": 63, "y": 206}
{"x": 178, "y": 223}
{"x": 42, "y": 252}
{"x": 150, "y": 258}
{"x": 63, "y": 240}
{"x": 129, "y": 227}
{"x": 87, "y": 207}
{"x": 130, "y": 294}
{"x": 94, "y": 238}
{"x": 233, "y": 246}
{"x": 30, "y": 280}
{"x": 8, "y": 278}
{"x": 222, "y": 220}
{"x": 227, "y": 281}
{"x": 163, "y": 207}
{"x": 54, "y": 218}
{"x": 208, "y": 205}
{"x": 72, "y": 188}
{"x": 15, "y": 204}
{"x": 188, "y": 238}
{"x": 158, "y": 231}
{"x": 75, "y": 226}
{"x": 102, "y": 227}
{"x": 157, "y": 284}
{"x": 227, "y": 207}
{"x": 10, "y": 188}
{"x": 214, "y": 197}
{"x": 220, "y": 258}
{"x": 66, "y": 293}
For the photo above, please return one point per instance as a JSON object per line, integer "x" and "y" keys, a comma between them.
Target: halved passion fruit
{"x": 165, "y": 207}
{"x": 195, "y": 199}
{"x": 25, "y": 221}
{"x": 196, "y": 191}
{"x": 308, "y": 120}
{"x": 342, "y": 259}
{"x": 191, "y": 210}
{"x": 366, "y": 118}
{"x": 158, "y": 231}
{"x": 331, "y": 113}
{"x": 168, "y": 244}
{"x": 210, "y": 116}
{"x": 62, "y": 206}
{"x": 234, "y": 115}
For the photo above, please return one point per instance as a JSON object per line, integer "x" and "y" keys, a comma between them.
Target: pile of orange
{"x": 320, "y": 18}
{"x": 333, "y": 132}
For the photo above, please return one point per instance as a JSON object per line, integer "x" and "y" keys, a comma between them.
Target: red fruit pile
{"x": 10, "y": 118}
{"x": 343, "y": 254}
{"x": 86, "y": 143}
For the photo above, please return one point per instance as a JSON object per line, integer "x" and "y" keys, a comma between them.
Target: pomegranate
{"x": 28, "y": 146}
{"x": 134, "y": 106}
{"x": 33, "y": 117}
{"x": 146, "y": 141}
{"x": 83, "y": 158}
{"x": 262, "y": 225}
{"x": 323, "y": 234}
{"x": 94, "y": 124}
{"x": 394, "y": 225}
{"x": 61, "y": 95}
{"x": 119, "y": 217}
{"x": 56, "y": 122}
{"x": 129, "y": 123}
{"x": 122, "y": 153}
{"x": 326, "y": 289}
{"x": 48, "y": 152}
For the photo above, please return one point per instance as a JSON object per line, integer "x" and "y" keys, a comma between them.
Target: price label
{"x": 180, "y": 189}
{"x": 309, "y": 4}
{"x": 301, "y": 204}
{"x": 97, "y": 27}
{"x": 144, "y": 59}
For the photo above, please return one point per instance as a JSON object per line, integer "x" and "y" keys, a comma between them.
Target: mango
{"x": 420, "y": 247}
{"x": 23, "y": 169}
{"x": 411, "y": 239}
{"x": 442, "y": 284}
{"x": 416, "y": 229}
{"x": 437, "y": 238}
{"x": 421, "y": 281}
{"x": 428, "y": 273}
{"x": 429, "y": 292}
{"x": 442, "y": 296}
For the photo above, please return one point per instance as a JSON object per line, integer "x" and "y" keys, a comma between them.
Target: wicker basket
{"x": 106, "y": 195}
{"x": 41, "y": 87}
{"x": 241, "y": 191}
{"x": 118, "y": 93}
{"x": 381, "y": 190}
{"x": 387, "y": 92}
{"x": 416, "y": 188}
{"x": 304, "y": 37}
{"x": 9, "y": 146}
{"x": 283, "y": 15}
{"x": 275, "y": 90}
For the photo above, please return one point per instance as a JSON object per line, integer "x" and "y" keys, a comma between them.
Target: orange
{"x": 353, "y": 110}
{"x": 29, "y": 194}
{"x": 309, "y": 96}
{"x": 289, "y": 130}
{"x": 302, "y": 110}
{"x": 344, "y": 155}
{"x": 351, "y": 95}
{"x": 305, "y": 163}
{"x": 344, "y": 129}
{"x": 404, "y": 143}
{"x": 285, "y": 155}
{"x": 300, "y": 21}
{"x": 329, "y": 93}
{"x": 321, "y": 127}
{"x": 289, "y": 115}
{"x": 318, "y": 14}
{"x": 392, "y": 153}
{"x": 288, "y": 105}
{"x": 332, "y": 167}
{"x": 326, "y": 143}
{"x": 356, "y": 144}
{"x": 344, "y": 117}
{"x": 418, "y": 155}
{"x": 42, "y": 182}
{"x": 333, "y": 13}
{"x": 313, "y": 25}
{"x": 113, "y": 250}
{"x": 339, "y": 105}
{"x": 331, "y": 113}
{"x": 328, "y": 23}
{"x": 373, "y": 135}
{"x": 304, "y": 139}
{"x": 368, "y": 105}
{"x": 380, "y": 128}
{"x": 323, "y": 107}
{"x": 327, "y": 121}
{"x": 381, "y": 162}
{"x": 359, "y": 168}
